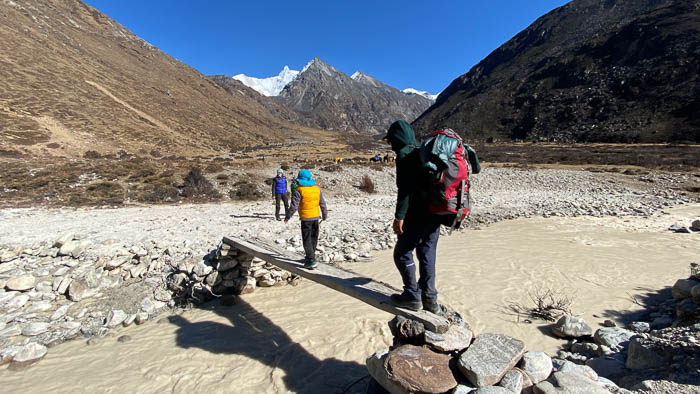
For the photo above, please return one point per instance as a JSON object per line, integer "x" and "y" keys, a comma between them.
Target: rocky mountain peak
{"x": 330, "y": 99}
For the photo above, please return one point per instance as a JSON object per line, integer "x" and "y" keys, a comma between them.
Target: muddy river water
{"x": 312, "y": 339}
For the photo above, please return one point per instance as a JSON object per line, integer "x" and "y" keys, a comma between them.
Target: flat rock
{"x": 488, "y": 359}
{"x": 570, "y": 383}
{"x": 21, "y": 283}
{"x": 571, "y": 327}
{"x": 615, "y": 338}
{"x": 35, "y": 328}
{"x": 11, "y": 331}
{"x": 537, "y": 365}
{"x": 30, "y": 354}
{"x": 60, "y": 312}
{"x": 418, "y": 369}
{"x": 39, "y": 306}
{"x": 456, "y": 338}
{"x": 17, "y": 301}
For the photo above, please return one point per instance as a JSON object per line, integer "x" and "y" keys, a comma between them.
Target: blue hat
{"x": 304, "y": 178}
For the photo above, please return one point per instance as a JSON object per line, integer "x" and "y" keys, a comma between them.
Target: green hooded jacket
{"x": 409, "y": 201}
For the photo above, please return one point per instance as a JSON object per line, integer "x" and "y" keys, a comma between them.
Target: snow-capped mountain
{"x": 329, "y": 99}
{"x": 420, "y": 92}
{"x": 271, "y": 86}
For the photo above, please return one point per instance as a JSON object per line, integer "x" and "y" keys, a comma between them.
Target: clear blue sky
{"x": 412, "y": 43}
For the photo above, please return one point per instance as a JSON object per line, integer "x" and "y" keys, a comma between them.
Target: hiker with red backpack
{"x": 432, "y": 191}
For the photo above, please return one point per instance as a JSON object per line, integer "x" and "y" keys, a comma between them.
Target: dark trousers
{"x": 421, "y": 235}
{"x": 283, "y": 197}
{"x": 309, "y": 236}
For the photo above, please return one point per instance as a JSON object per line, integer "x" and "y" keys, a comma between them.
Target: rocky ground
{"x": 69, "y": 273}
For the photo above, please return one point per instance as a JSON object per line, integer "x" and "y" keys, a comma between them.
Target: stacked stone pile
{"x": 460, "y": 362}
{"x": 659, "y": 351}
{"x": 53, "y": 292}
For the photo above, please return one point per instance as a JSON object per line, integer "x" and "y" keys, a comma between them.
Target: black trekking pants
{"x": 309, "y": 236}
{"x": 283, "y": 197}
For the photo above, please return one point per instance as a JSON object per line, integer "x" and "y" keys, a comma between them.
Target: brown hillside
{"x": 73, "y": 80}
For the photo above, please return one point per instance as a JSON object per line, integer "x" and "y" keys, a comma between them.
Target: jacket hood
{"x": 304, "y": 178}
{"x": 402, "y": 138}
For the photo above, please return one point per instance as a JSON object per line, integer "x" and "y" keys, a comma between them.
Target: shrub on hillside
{"x": 367, "y": 185}
{"x": 160, "y": 193}
{"x": 197, "y": 186}
{"x": 244, "y": 191}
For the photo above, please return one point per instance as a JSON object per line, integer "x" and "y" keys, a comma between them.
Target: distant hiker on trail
{"x": 312, "y": 208}
{"x": 279, "y": 192}
{"x": 293, "y": 187}
{"x": 415, "y": 226}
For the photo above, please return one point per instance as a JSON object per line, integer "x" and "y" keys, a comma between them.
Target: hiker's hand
{"x": 398, "y": 226}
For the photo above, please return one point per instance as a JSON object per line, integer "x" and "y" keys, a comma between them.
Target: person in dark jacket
{"x": 312, "y": 208}
{"x": 279, "y": 192}
{"x": 417, "y": 229}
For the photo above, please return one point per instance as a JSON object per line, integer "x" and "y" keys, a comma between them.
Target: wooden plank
{"x": 364, "y": 289}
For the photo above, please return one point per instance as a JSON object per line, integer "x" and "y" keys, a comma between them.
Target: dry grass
{"x": 547, "y": 304}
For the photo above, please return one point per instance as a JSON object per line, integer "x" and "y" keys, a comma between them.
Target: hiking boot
{"x": 431, "y": 306}
{"x": 310, "y": 264}
{"x": 404, "y": 300}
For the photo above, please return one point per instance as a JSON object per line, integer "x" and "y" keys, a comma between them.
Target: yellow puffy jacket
{"x": 310, "y": 200}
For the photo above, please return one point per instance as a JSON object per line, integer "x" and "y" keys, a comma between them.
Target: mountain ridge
{"x": 74, "y": 80}
{"x": 588, "y": 71}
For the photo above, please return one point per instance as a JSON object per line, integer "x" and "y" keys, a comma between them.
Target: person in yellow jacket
{"x": 309, "y": 200}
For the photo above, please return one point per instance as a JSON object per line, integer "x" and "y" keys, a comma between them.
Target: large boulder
{"x": 488, "y": 359}
{"x": 570, "y": 383}
{"x": 375, "y": 367}
{"x": 418, "y": 369}
{"x": 571, "y": 327}
{"x": 584, "y": 370}
{"x": 641, "y": 355}
{"x": 615, "y": 338}
{"x": 537, "y": 365}
{"x": 682, "y": 288}
{"x": 609, "y": 367}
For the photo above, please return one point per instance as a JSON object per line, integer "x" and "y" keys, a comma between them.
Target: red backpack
{"x": 447, "y": 175}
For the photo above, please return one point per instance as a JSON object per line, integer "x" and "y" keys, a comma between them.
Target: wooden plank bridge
{"x": 367, "y": 290}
